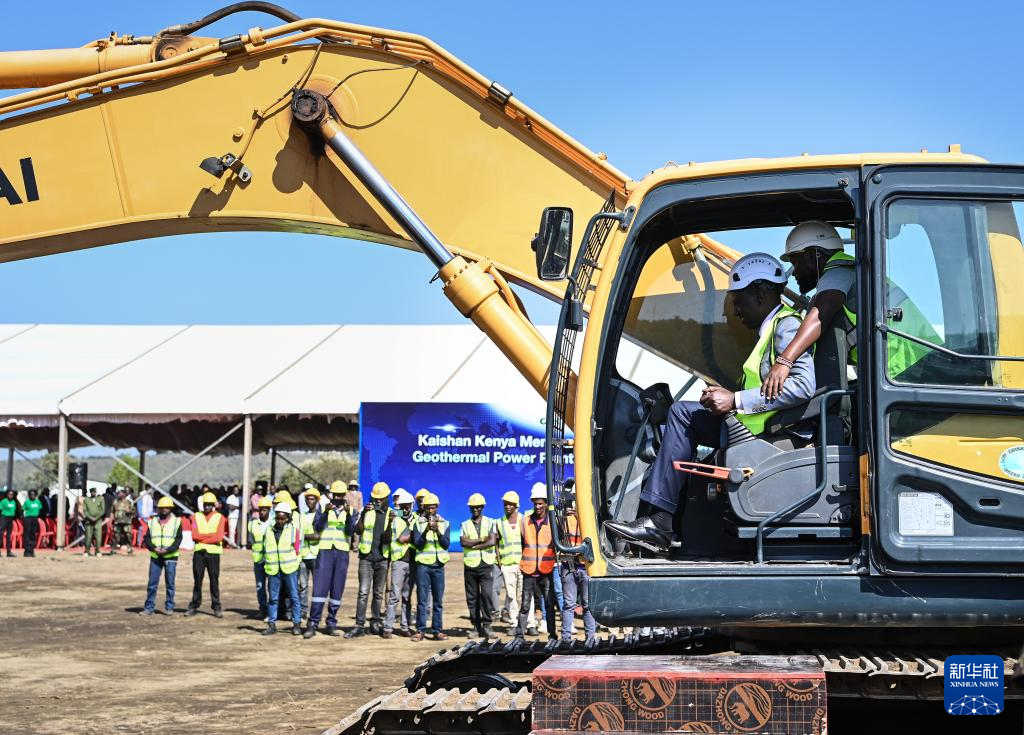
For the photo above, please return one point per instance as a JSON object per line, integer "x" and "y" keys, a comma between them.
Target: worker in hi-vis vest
{"x": 431, "y": 539}
{"x": 820, "y": 264}
{"x": 373, "y": 559}
{"x": 257, "y": 529}
{"x": 538, "y": 563}
{"x": 310, "y": 545}
{"x": 756, "y": 282}
{"x": 281, "y": 562}
{"x": 398, "y": 538}
{"x": 510, "y": 553}
{"x": 209, "y": 530}
{"x": 479, "y": 537}
{"x": 163, "y": 537}
{"x": 335, "y": 525}
{"x": 575, "y": 579}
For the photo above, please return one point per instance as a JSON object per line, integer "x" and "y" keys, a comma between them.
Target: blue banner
{"x": 453, "y": 450}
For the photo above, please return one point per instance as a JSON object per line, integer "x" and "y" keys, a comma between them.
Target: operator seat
{"x": 779, "y": 466}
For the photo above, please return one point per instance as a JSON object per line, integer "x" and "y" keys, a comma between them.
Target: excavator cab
{"x": 900, "y": 465}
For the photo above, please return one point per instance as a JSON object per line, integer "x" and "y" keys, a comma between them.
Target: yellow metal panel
{"x": 971, "y": 442}
{"x": 1007, "y": 267}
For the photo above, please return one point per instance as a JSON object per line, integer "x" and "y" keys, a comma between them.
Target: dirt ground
{"x": 76, "y": 657}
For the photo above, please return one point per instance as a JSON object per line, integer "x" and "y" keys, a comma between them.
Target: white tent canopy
{"x": 181, "y": 387}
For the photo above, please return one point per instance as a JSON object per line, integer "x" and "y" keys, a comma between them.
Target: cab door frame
{"x": 981, "y": 505}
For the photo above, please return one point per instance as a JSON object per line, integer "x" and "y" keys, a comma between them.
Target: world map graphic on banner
{"x": 453, "y": 450}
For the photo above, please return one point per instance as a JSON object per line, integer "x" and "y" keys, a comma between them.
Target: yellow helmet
{"x": 510, "y": 497}
{"x": 431, "y": 499}
{"x": 265, "y": 503}
{"x": 380, "y": 491}
{"x": 311, "y": 491}
{"x": 338, "y": 488}
{"x": 209, "y": 499}
{"x": 283, "y": 496}
{"x": 476, "y": 499}
{"x": 421, "y": 492}
{"x": 165, "y": 502}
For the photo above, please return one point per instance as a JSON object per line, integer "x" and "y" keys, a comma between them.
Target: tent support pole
{"x": 299, "y": 470}
{"x": 142, "y": 469}
{"x": 207, "y": 450}
{"x": 273, "y": 467}
{"x": 155, "y": 485}
{"x": 62, "y": 478}
{"x": 246, "y": 478}
{"x": 10, "y": 467}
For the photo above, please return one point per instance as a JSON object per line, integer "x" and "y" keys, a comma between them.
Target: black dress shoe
{"x": 641, "y": 532}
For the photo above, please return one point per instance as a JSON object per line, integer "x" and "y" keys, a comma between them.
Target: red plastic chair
{"x": 17, "y": 535}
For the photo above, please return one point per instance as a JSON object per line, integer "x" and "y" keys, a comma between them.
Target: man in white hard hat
{"x": 820, "y": 264}
{"x": 755, "y": 289}
{"x": 398, "y": 541}
{"x": 510, "y": 553}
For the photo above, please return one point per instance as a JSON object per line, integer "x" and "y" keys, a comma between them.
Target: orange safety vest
{"x": 538, "y": 551}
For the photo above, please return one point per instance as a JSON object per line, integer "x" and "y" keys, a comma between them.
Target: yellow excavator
{"x": 851, "y": 546}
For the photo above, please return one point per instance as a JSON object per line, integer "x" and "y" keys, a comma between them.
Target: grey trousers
{"x": 306, "y": 569}
{"x": 401, "y": 592}
{"x": 372, "y": 574}
{"x": 575, "y": 591}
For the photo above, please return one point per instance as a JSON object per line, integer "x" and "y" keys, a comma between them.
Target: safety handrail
{"x": 821, "y": 456}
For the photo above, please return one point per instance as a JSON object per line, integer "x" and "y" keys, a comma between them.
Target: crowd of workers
{"x": 301, "y": 552}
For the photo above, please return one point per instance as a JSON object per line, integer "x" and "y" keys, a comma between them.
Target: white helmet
{"x": 539, "y": 491}
{"x": 755, "y": 267}
{"x": 283, "y": 508}
{"x": 402, "y": 497}
{"x": 812, "y": 234}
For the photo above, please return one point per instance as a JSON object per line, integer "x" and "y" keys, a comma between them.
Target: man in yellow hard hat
{"x": 310, "y": 545}
{"x": 281, "y": 563}
{"x": 374, "y": 520}
{"x": 163, "y": 537}
{"x": 257, "y": 530}
{"x": 420, "y": 495}
{"x": 510, "y": 553}
{"x": 431, "y": 539}
{"x": 335, "y": 526}
{"x": 210, "y": 529}
{"x": 479, "y": 537}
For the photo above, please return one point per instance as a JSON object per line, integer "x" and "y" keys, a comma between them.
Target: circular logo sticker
{"x": 649, "y": 698}
{"x": 1011, "y": 462}
{"x": 597, "y": 717}
{"x": 746, "y": 707}
{"x": 558, "y": 688}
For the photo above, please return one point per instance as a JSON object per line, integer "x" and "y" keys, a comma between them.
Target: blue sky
{"x": 644, "y": 82}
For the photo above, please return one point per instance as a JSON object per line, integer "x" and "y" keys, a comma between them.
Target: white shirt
{"x": 760, "y": 333}
{"x": 233, "y": 502}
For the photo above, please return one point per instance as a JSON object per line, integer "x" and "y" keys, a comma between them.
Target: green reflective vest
{"x": 366, "y": 539}
{"x": 432, "y": 552}
{"x": 257, "y": 528}
{"x": 396, "y": 551}
{"x": 163, "y": 534}
{"x": 335, "y": 533}
{"x": 280, "y": 555}
{"x": 309, "y": 550}
{"x": 474, "y": 557}
{"x": 510, "y": 541}
{"x": 752, "y": 369}
{"x": 901, "y": 353}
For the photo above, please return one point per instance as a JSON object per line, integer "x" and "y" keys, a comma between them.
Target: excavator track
{"x": 438, "y": 698}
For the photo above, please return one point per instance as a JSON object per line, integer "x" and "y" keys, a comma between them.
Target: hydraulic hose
{"x": 249, "y": 6}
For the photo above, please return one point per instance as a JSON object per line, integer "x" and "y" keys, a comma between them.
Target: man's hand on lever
{"x": 718, "y": 400}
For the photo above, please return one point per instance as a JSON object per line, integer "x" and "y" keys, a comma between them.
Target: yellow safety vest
{"x": 335, "y": 533}
{"x": 257, "y": 528}
{"x": 397, "y": 550}
{"x": 752, "y": 369}
{"x": 309, "y": 550}
{"x": 510, "y": 541}
{"x": 432, "y": 551}
{"x": 280, "y": 555}
{"x": 208, "y": 525}
{"x": 366, "y": 539}
{"x": 163, "y": 534}
{"x": 472, "y": 558}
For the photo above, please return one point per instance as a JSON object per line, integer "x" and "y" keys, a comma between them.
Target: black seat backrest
{"x": 831, "y": 355}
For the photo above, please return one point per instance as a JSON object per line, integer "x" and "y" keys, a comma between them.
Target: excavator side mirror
{"x": 553, "y": 243}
